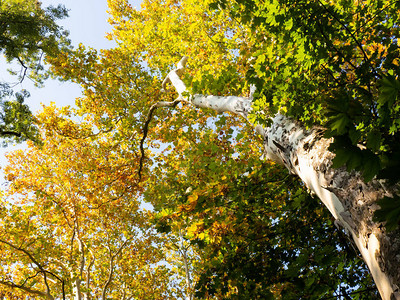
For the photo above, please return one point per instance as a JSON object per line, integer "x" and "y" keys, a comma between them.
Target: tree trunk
{"x": 350, "y": 200}
{"x": 183, "y": 251}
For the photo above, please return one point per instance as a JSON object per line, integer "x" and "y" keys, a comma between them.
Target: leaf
{"x": 389, "y": 90}
{"x": 341, "y": 158}
{"x": 289, "y": 24}
{"x": 339, "y": 123}
{"x": 371, "y": 165}
{"x": 389, "y": 212}
{"x": 374, "y": 140}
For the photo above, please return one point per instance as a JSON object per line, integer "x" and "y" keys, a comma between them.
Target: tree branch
{"x": 234, "y": 104}
{"x": 146, "y": 128}
{"x": 111, "y": 272}
{"x": 331, "y": 45}
{"x": 24, "y": 67}
{"x": 42, "y": 270}
{"x": 8, "y": 132}
{"x": 24, "y": 288}
{"x": 91, "y": 263}
{"x": 347, "y": 29}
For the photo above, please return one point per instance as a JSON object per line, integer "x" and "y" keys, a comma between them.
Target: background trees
{"x": 232, "y": 224}
{"x": 71, "y": 224}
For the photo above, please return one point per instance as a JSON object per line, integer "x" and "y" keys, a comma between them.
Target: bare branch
{"x": 174, "y": 77}
{"x": 24, "y": 67}
{"x": 14, "y": 133}
{"x": 234, "y": 104}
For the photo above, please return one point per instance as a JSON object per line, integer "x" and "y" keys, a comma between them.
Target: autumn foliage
{"x": 97, "y": 211}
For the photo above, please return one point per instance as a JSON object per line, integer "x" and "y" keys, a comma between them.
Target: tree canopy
{"x": 28, "y": 32}
{"x": 333, "y": 64}
{"x": 225, "y": 223}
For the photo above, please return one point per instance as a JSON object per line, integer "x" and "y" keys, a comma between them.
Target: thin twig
{"x": 24, "y": 67}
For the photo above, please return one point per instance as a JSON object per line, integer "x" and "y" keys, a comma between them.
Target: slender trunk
{"x": 350, "y": 200}
{"x": 76, "y": 287}
{"x": 77, "y": 276}
{"x": 86, "y": 294}
{"x": 111, "y": 268}
{"x": 183, "y": 251}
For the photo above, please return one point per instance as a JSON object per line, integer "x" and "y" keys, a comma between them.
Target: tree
{"x": 353, "y": 47}
{"x": 28, "y": 32}
{"x": 342, "y": 57}
{"x": 251, "y": 233}
{"x": 288, "y": 143}
{"x": 71, "y": 224}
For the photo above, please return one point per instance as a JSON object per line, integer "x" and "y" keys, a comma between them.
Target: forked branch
{"x": 237, "y": 105}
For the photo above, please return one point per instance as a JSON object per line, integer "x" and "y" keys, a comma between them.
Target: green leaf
{"x": 374, "y": 140}
{"x": 389, "y": 212}
{"x": 341, "y": 157}
{"x": 339, "y": 123}
{"x": 371, "y": 165}
{"x": 289, "y": 24}
{"x": 355, "y": 160}
{"x": 389, "y": 90}
{"x": 354, "y": 135}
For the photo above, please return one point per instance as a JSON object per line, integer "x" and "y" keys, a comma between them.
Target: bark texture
{"x": 350, "y": 200}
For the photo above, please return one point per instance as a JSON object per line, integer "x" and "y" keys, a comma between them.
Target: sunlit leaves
{"x": 252, "y": 230}
{"x": 73, "y": 211}
{"x": 244, "y": 227}
{"x": 329, "y": 63}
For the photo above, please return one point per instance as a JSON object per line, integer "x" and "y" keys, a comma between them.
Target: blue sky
{"x": 87, "y": 24}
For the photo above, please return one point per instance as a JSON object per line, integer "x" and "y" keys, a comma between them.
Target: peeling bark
{"x": 350, "y": 200}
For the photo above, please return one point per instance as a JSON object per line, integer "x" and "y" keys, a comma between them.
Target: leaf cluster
{"x": 261, "y": 236}
{"x": 333, "y": 64}
{"x": 71, "y": 218}
{"x": 244, "y": 235}
{"x": 29, "y": 31}
{"x": 17, "y": 121}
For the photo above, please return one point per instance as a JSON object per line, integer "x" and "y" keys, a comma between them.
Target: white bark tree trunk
{"x": 183, "y": 250}
{"x": 350, "y": 200}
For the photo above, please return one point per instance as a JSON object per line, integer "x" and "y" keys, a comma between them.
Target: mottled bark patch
{"x": 287, "y": 142}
